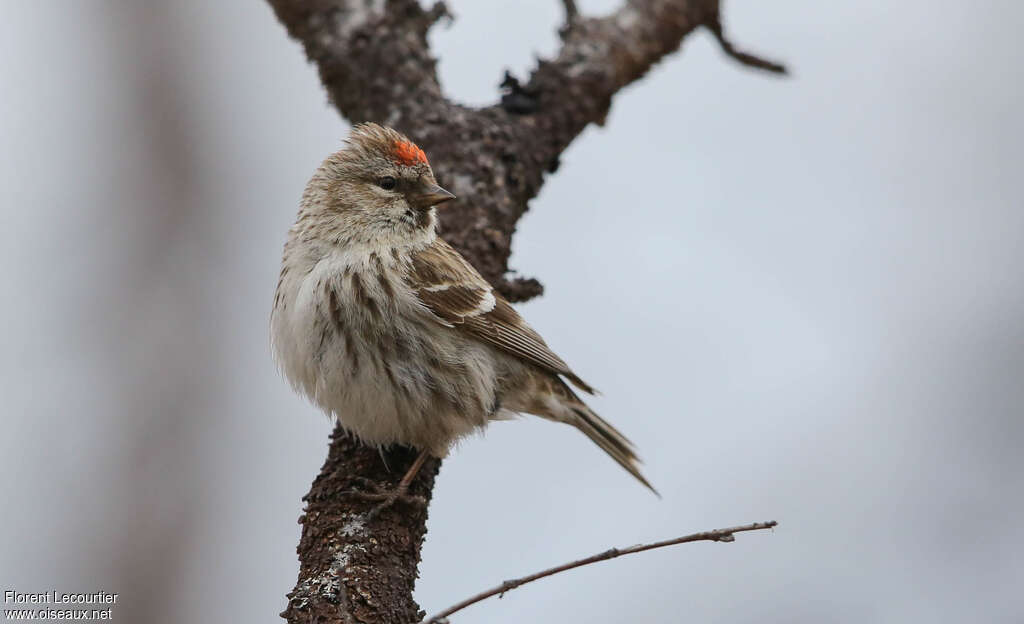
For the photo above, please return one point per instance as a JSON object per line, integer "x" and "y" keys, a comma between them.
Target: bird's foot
{"x": 371, "y": 492}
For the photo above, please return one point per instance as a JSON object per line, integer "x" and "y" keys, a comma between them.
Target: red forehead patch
{"x": 408, "y": 154}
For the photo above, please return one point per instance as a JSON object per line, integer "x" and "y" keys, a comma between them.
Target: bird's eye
{"x": 387, "y": 183}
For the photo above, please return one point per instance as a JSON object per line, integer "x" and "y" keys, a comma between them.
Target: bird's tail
{"x": 603, "y": 434}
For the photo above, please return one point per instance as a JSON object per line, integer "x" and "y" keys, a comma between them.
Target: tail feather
{"x": 551, "y": 397}
{"x": 579, "y": 383}
{"x": 611, "y": 441}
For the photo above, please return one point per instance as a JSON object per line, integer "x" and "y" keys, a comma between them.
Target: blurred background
{"x": 821, "y": 320}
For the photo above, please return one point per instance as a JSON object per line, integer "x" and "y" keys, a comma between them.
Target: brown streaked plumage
{"x": 454, "y": 291}
{"x": 386, "y": 327}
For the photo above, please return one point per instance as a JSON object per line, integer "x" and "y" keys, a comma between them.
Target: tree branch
{"x": 571, "y": 12}
{"x": 375, "y": 63}
{"x": 600, "y": 56}
{"x": 373, "y": 56}
{"x": 744, "y": 58}
{"x": 717, "y": 535}
{"x": 357, "y": 566}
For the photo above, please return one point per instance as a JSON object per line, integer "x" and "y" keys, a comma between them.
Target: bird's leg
{"x": 414, "y": 470}
{"x": 401, "y": 491}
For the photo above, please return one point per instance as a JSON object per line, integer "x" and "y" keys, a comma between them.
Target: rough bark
{"x": 375, "y": 63}
{"x": 357, "y": 566}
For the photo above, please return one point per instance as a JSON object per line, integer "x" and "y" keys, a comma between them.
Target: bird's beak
{"x": 429, "y": 195}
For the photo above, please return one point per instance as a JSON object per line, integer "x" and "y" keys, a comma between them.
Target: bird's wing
{"x": 459, "y": 297}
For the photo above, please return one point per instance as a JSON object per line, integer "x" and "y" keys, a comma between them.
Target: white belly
{"x": 368, "y": 355}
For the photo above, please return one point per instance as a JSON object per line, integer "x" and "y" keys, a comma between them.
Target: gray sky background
{"x": 801, "y": 298}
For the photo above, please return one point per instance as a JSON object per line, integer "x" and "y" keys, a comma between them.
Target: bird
{"x": 388, "y": 329}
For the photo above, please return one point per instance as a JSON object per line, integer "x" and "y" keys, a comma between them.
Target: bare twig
{"x": 718, "y": 535}
{"x": 744, "y": 58}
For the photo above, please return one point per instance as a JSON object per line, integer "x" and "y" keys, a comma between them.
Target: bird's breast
{"x": 351, "y": 335}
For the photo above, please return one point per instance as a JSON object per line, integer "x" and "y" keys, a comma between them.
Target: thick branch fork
{"x": 376, "y": 65}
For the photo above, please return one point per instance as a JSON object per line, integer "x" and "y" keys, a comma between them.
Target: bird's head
{"x": 379, "y": 186}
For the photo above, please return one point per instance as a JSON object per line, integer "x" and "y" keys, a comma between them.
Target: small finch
{"x": 386, "y": 327}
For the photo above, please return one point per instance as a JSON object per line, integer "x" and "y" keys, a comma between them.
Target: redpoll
{"x": 385, "y": 326}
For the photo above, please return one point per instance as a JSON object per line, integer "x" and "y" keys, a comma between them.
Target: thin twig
{"x": 744, "y": 58}
{"x": 718, "y": 535}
